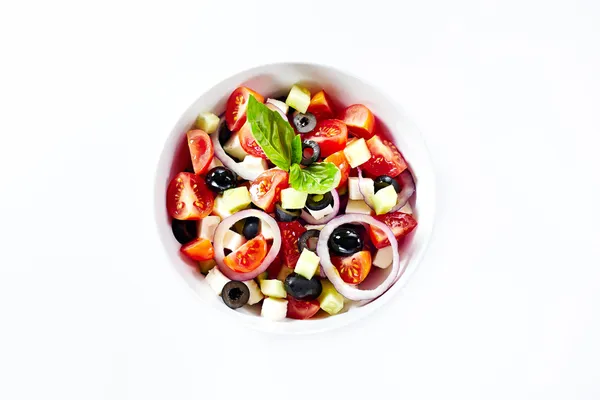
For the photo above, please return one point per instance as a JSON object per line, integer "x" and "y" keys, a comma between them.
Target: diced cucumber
{"x": 255, "y": 293}
{"x": 357, "y": 153}
{"x": 234, "y": 148}
{"x": 284, "y": 272}
{"x": 307, "y": 264}
{"x": 208, "y": 122}
{"x": 273, "y": 288}
{"x": 385, "y": 199}
{"x": 298, "y": 98}
{"x": 206, "y": 266}
{"x": 220, "y": 208}
{"x": 236, "y": 199}
{"x": 274, "y": 309}
{"x": 292, "y": 199}
{"x": 331, "y": 301}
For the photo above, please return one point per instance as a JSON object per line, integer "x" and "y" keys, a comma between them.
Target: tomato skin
{"x": 400, "y": 223}
{"x": 331, "y": 136}
{"x": 199, "y": 249}
{"x": 360, "y": 120}
{"x": 355, "y": 268}
{"x": 249, "y": 256}
{"x": 235, "y": 114}
{"x": 290, "y": 233}
{"x": 385, "y": 158}
{"x": 321, "y": 106}
{"x": 265, "y": 190}
{"x": 249, "y": 143}
{"x": 201, "y": 150}
{"x": 340, "y": 161}
{"x": 188, "y": 197}
{"x": 301, "y": 309}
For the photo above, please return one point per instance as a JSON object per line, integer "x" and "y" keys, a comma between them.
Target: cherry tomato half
{"x": 235, "y": 114}
{"x": 331, "y": 135}
{"x": 400, "y": 223}
{"x": 301, "y": 309}
{"x": 201, "y": 150}
{"x": 199, "y": 249}
{"x": 360, "y": 120}
{"x": 321, "y": 106}
{"x": 385, "y": 158}
{"x": 249, "y": 143}
{"x": 265, "y": 190}
{"x": 249, "y": 256}
{"x": 355, "y": 268}
{"x": 290, "y": 233}
{"x": 188, "y": 197}
{"x": 340, "y": 161}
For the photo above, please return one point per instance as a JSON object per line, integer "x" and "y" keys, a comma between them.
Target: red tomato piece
{"x": 290, "y": 233}
{"x": 331, "y": 135}
{"x": 385, "y": 158}
{"x": 265, "y": 190}
{"x": 340, "y": 161}
{"x": 301, "y": 309}
{"x": 199, "y": 249}
{"x": 321, "y": 106}
{"x": 400, "y": 223}
{"x": 355, "y": 268}
{"x": 235, "y": 114}
{"x": 201, "y": 150}
{"x": 188, "y": 197}
{"x": 249, "y": 143}
{"x": 360, "y": 120}
{"x": 249, "y": 256}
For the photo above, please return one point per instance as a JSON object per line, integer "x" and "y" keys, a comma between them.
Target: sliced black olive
{"x": 184, "y": 231}
{"x": 301, "y": 288}
{"x": 251, "y": 227}
{"x": 284, "y": 215}
{"x": 310, "y": 152}
{"x": 219, "y": 179}
{"x": 304, "y": 123}
{"x": 304, "y": 242}
{"x": 318, "y": 202}
{"x": 224, "y": 133}
{"x": 384, "y": 181}
{"x": 235, "y": 294}
{"x": 345, "y": 241}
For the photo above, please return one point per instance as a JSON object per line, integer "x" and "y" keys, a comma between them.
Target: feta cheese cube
{"x": 207, "y": 226}
{"x": 221, "y": 208}
{"x": 383, "y": 257}
{"x": 279, "y": 104}
{"x": 318, "y": 214}
{"x": 266, "y": 231}
{"x": 233, "y": 240}
{"x": 358, "y": 207}
{"x": 234, "y": 148}
{"x": 354, "y": 192}
{"x": 216, "y": 280}
{"x": 254, "y": 164}
{"x": 357, "y": 153}
{"x": 255, "y": 293}
{"x": 274, "y": 309}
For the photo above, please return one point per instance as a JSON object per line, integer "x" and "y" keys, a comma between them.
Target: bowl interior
{"x": 272, "y": 81}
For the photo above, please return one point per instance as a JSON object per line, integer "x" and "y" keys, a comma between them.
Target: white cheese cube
{"x": 317, "y": 227}
{"x": 358, "y": 207}
{"x": 216, "y": 280}
{"x": 266, "y": 231}
{"x": 256, "y": 165}
{"x": 255, "y": 293}
{"x": 234, "y": 148}
{"x": 233, "y": 240}
{"x": 207, "y": 226}
{"x": 357, "y": 153}
{"x": 383, "y": 257}
{"x": 221, "y": 208}
{"x": 274, "y": 309}
{"x": 354, "y": 192}
{"x": 307, "y": 264}
{"x": 318, "y": 214}
{"x": 279, "y": 104}
{"x": 406, "y": 209}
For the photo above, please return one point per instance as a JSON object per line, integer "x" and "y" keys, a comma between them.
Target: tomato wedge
{"x": 301, "y": 309}
{"x": 201, "y": 150}
{"x": 265, "y": 190}
{"x": 400, "y": 223}
{"x": 199, "y": 249}
{"x": 249, "y": 143}
{"x": 249, "y": 256}
{"x": 355, "y": 268}
{"x": 320, "y": 106}
{"x": 235, "y": 114}
{"x": 188, "y": 197}
{"x": 340, "y": 161}
{"x": 385, "y": 158}
{"x": 360, "y": 120}
{"x": 330, "y": 134}
{"x": 290, "y": 233}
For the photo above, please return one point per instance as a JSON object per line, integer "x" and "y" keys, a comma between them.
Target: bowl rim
{"x": 327, "y": 323}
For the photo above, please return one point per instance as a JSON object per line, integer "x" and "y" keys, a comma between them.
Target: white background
{"x": 506, "y": 304}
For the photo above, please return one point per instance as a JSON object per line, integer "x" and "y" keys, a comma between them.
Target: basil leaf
{"x": 273, "y": 134}
{"x": 297, "y": 150}
{"x": 317, "y": 178}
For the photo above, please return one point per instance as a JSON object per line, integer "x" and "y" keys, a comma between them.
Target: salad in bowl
{"x": 295, "y": 206}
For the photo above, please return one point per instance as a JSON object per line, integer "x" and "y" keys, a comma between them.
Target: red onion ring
{"x": 306, "y": 216}
{"x": 229, "y": 162}
{"x": 224, "y": 226}
{"x": 349, "y": 291}
{"x": 273, "y": 107}
{"x": 407, "y": 185}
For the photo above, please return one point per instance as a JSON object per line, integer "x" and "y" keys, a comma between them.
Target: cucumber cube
{"x": 385, "y": 199}
{"x": 236, "y": 199}
{"x": 206, "y": 266}
{"x": 220, "y": 208}
{"x": 331, "y": 301}
{"x": 357, "y": 153}
{"x": 298, "y": 98}
{"x": 292, "y": 199}
{"x": 273, "y": 288}
{"x": 208, "y": 122}
{"x": 307, "y": 264}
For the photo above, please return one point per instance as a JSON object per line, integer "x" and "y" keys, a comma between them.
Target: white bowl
{"x": 271, "y": 81}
